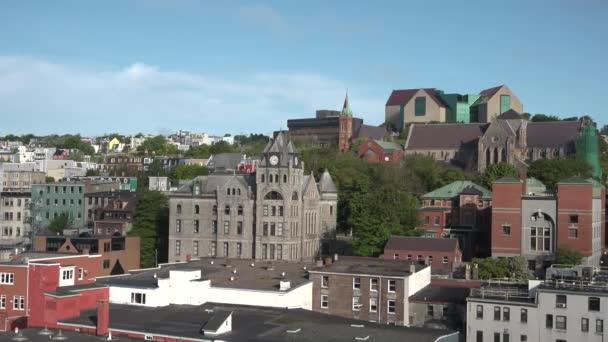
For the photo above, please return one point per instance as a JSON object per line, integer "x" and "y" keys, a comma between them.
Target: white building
{"x": 554, "y": 310}
{"x": 242, "y": 282}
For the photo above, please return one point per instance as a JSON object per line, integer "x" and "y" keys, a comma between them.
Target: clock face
{"x": 274, "y": 160}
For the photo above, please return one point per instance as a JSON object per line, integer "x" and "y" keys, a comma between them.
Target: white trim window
{"x": 390, "y": 306}
{"x": 138, "y": 298}
{"x": 392, "y": 285}
{"x": 324, "y": 301}
{"x": 7, "y": 278}
{"x": 324, "y": 281}
{"x": 3, "y": 302}
{"x": 356, "y": 304}
{"x": 373, "y": 284}
{"x": 80, "y": 273}
{"x": 373, "y": 304}
{"x": 19, "y": 303}
{"x": 356, "y": 282}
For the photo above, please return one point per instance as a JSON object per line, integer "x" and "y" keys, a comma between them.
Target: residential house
{"x": 442, "y": 254}
{"x": 378, "y": 151}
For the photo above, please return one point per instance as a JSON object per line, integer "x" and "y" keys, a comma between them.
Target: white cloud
{"x": 44, "y": 97}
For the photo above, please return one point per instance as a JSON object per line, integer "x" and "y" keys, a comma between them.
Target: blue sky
{"x": 231, "y": 67}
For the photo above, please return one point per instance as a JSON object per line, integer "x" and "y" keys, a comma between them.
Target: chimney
{"x": 103, "y": 317}
{"x": 85, "y": 251}
{"x": 412, "y": 268}
{"x": 523, "y": 175}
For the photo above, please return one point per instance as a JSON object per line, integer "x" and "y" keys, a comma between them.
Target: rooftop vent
{"x": 231, "y": 278}
{"x": 284, "y": 285}
{"x": 283, "y": 274}
{"x": 59, "y": 336}
{"x": 234, "y": 271}
{"x": 45, "y": 332}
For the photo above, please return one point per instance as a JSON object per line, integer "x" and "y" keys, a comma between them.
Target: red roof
{"x": 403, "y": 96}
{"x": 491, "y": 91}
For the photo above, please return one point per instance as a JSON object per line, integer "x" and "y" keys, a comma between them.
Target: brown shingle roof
{"x": 421, "y": 244}
{"x": 368, "y": 131}
{"x": 403, "y": 96}
{"x": 491, "y": 91}
{"x": 510, "y": 115}
{"x": 550, "y": 134}
{"x": 440, "y": 136}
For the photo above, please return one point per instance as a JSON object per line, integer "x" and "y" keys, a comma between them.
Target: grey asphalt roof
{"x": 33, "y": 335}
{"x": 411, "y": 243}
{"x": 326, "y": 184}
{"x": 368, "y": 265}
{"x": 253, "y": 324}
{"x": 441, "y": 294}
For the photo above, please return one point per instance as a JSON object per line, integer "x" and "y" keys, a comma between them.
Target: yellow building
{"x": 113, "y": 144}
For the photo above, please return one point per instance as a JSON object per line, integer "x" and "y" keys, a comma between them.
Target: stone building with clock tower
{"x": 278, "y": 213}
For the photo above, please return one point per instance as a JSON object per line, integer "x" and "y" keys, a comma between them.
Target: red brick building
{"x": 38, "y": 289}
{"x": 380, "y": 151}
{"x": 460, "y": 210}
{"x": 369, "y": 289}
{"x": 117, "y": 254}
{"x": 530, "y": 221}
{"x": 439, "y": 253}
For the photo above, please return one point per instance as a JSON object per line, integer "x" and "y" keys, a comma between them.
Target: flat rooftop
{"x": 503, "y": 291}
{"x": 261, "y": 276}
{"x": 24, "y": 258}
{"x": 369, "y": 266}
{"x": 252, "y": 324}
{"x": 37, "y": 335}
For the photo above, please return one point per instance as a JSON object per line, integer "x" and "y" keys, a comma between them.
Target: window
{"x": 594, "y": 304}
{"x": 356, "y": 304}
{"x": 373, "y": 284}
{"x": 497, "y": 313}
{"x": 505, "y": 103}
{"x": 390, "y": 306}
{"x": 523, "y": 316}
{"x": 445, "y": 259}
{"x": 3, "y": 302}
{"x": 279, "y": 252}
{"x": 7, "y": 278}
{"x": 272, "y": 229}
{"x": 239, "y": 227}
{"x": 67, "y": 274}
{"x": 214, "y": 227}
{"x": 239, "y": 249}
{"x": 540, "y": 239}
{"x": 324, "y": 301}
{"x": 138, "y": 298}
{"x": 523, "y": 338}
{"x": 599, "y": 325}
{"x": 196, "y": 226}
{"x": 178, "y": 225}
{"x": 197, "y": 209}
{"x": 179, "y": 209}
{"x": 213, "y": 248}
{"x": 420, "y": 106}
{"x": 573, "y": 218}
{"x": 561, "y": 301}
{"x": 373, "y": 304}
{"x": 429, "y": 259}
{"x": 479, "y": 336}
{"x": 280, "y": 228}
{"x": 549, "y": 321}
{"x": 226, "y": 248}
{"x": 496, "y": 337}
{"x": 325, "y": 281}
{"x": 214, "y": 210}
{"x": 506, "y": 229}
{"x": 226, "y": 227}
{"x": 281, "y": 210}
{"x": 265, "y": 229}
{"x": 80, "y": 273}
{"x": 271, "y": 252}
{"x": 227, "y": 210}
{"x": 572, "y": 233}
{"x": 18, "y": 302}
{"x": 392, "y": 285}
{"x": 584, "y": 324}
{"x": 262, "y": 179}
{"x": 560, "y": 322}
{"x": 265, "y": 210}
{"x": 430, "y": 310}
{"x": 506, "y": 314}
{"x": 273, "y": 211}
{"x": 240, "y": 210}
{"x": 505, "y": 337}
{"x": 356, "y": 283}
{"x": 178, "y": 247}
{"x": 436, "y": 220}
{"x": 195, "y": 248}
{"x": 106, "y": 263}
{"x": 479, "y": 310}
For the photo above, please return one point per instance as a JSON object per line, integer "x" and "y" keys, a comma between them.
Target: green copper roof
{"x": 575, "y": 180}
{"x": 508, "y": 180}
{"x": 455, "y": 188}
{"x": 535, "y": 186}
{"x": 387, "y": 145}
{"x": 346, "y": 108}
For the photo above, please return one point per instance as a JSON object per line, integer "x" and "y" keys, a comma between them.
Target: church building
{"x": 277, "y": 213}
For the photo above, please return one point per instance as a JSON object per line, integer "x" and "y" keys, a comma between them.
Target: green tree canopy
{"x": 492, "y": 268}
{"x": 187, "y": 172}
{"x": 552, "y": 171}
{"x": 544, "y": 118}
{"x": 567, "y": 256}
{"x": 158, "y": 146}
{"x": 61, "y": 222}
{"x": 152, "y": 227}
{"x": 496, "y": 171}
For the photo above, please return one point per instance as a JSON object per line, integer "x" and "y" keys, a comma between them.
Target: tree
{"x": 187, "y": 172}
{"x": 157, "y": 145}
{"x": 552, "y": 171}
{"x": 49, "y": 179}
{"x": 492, "y": 268}
{"x": 199, "y": 152}
{"x": 567, "y": 256}
{"x": 354, "y": 146}
{"x": 92, "y": 172}
{"x": 497, "y": 171}
{"x": 544, "y": 118}
{"x": 61, "y": 222}
{"x": 152, "y": 227}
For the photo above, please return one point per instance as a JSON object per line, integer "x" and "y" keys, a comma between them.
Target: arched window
{"x": 179, "y": 209}
{"x": 262, "y": 179}
{"x": 228, "y": 191}
{"x": 294, "y": 196}
{"x": 227, "y": 210}
{"x": 496, "y": 155}
{"x": 488, "y": 157}
{"x": 233, "y": 191}
{"x": 284, "y": 178}
{"x": 238, "y": 191}
{"x": 269, "y": 178}
{"x": 215, "y": 209}
{"x": 196, "y": 209}
{"x": 273, "y": 195}
{"x": 276, "y": 178}
{"x": 240, "y": 210}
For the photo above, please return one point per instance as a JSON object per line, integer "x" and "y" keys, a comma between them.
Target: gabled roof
{"x": 388, "y": 146}
{"x": 224, "y": 161}
{"x": 508, "y": 180}
{"x": 403, "y": 96}
{"x": 491, "y": 91}
{"x": 455, "y": 188}
{"x": 411, "y": 243}
{"x": 510, "y": 115}
{"x": 209, "y": 184}
{"x": 369, "y": 131}
{"x": 444, "y": 136}
{"x": 552, "y": 134}
{"x": 326, "y": 184}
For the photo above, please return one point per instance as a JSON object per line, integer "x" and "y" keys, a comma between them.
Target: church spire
{"x": 346, "y": 108}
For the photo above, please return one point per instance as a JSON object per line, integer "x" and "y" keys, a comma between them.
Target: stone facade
{"x": 14, "y": 217}
{"x": 278, "y": 213}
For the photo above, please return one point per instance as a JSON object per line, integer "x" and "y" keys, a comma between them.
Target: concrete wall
{"x": 434, "y": 112}
{"x": 514, "y": 327}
